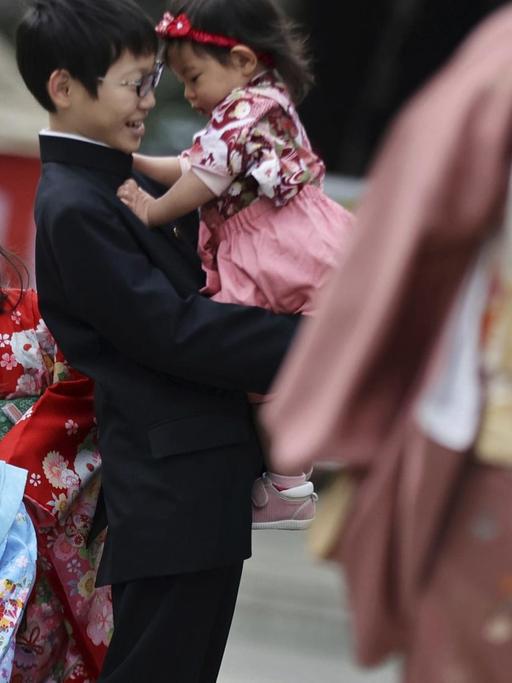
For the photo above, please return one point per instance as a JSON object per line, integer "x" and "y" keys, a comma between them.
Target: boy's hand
{"x": 136, "y": 199}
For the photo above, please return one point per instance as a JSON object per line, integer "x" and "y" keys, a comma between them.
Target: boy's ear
{"x": 59, "y": 87}
{"x": 244, "y": 58}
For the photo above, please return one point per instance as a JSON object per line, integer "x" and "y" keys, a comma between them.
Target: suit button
{"x": 176, "y": 232}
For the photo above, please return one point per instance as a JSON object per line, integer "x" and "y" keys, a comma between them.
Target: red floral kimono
{"x": 68, "y": 622}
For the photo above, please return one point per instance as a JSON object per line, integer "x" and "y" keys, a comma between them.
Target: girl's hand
{"x": 136, "y": 199}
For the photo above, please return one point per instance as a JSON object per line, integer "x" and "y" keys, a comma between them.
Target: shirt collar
{"x": 76, "y": 151}
{"x": 71, "y": 136}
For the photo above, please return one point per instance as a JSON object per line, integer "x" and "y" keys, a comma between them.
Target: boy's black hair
{"x": 259, "y": 24}
{"x": 83, "y": 36}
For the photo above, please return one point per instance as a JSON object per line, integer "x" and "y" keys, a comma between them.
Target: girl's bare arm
{"x": 164, "y": 170}
{"x": 187, "y": 194}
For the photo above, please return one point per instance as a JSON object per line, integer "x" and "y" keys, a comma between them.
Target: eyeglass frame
{"x": 152, "y": 80}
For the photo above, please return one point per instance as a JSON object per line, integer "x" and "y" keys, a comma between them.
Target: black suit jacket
{"x": 171, "y": 368}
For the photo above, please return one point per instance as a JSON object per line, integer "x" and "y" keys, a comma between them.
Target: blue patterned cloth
{"x": 18, "y": 550}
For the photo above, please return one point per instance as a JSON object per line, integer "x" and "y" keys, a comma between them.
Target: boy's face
{"x": 116, "y": 117}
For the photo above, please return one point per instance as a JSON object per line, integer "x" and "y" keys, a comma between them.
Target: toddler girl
{"x": 268, "y": 233}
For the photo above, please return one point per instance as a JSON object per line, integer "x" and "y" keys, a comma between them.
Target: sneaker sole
{"x": 284, "y": 524}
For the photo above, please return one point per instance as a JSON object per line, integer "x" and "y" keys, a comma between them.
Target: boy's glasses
{"x": 144, "y": 85}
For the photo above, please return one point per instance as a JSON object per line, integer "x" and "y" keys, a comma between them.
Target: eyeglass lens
{"x": 150, "y": 81}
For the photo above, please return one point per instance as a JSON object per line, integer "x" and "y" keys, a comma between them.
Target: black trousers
{"x": 171, "y": 629}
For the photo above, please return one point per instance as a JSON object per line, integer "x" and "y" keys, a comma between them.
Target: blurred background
{"x": 369, "y": 56}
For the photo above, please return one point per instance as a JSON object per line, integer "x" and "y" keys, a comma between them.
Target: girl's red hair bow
{"x": 180, "y": 27}
{"x": 173, "y": 27}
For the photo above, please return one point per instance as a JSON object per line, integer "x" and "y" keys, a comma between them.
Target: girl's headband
{"x": 180, "y": 27}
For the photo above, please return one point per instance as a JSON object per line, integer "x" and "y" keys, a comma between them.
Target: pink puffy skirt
{"x": 275, "y": 257}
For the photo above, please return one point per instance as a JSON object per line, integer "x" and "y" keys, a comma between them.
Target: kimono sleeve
{"x": 220, "y": 152}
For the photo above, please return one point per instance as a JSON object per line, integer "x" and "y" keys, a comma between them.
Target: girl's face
{"x": 207, "y": 82}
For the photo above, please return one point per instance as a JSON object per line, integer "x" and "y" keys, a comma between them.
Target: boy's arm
{"x": 116, "y": 290}
{"x": 163, "y": 170}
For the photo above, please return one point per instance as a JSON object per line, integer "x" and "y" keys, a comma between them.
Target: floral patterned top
{"x": 254, "y": 146}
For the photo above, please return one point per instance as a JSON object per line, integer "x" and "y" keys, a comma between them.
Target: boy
{"x": 171, "y": 368}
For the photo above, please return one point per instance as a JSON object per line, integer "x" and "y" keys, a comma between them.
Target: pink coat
{"x": 348, "y": 388}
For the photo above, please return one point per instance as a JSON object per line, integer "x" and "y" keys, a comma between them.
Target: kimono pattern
{"x": 68, "y": 622}
{"x": 255, "y": 140}
{"x": 18, "y": 550}
{"x": 270, "y": 235}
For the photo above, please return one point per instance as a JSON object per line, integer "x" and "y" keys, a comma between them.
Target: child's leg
{"x": 288, "y": 508}
{"x": 288, "y": 479}
{"x": 283, "y": 500}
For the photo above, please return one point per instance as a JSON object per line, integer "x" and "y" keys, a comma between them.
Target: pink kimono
{"x": 271, "y": 235}
{"x": 427, "y": 546}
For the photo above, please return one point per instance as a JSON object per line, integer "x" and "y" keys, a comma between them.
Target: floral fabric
{"x": 68, "y": 622}
{"x": 27, "y": 352}
{"x": 17, "y": 573}
{"x": 254, "y": 138}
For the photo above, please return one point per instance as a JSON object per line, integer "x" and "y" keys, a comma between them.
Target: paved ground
{"x": 290, "y": 625}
